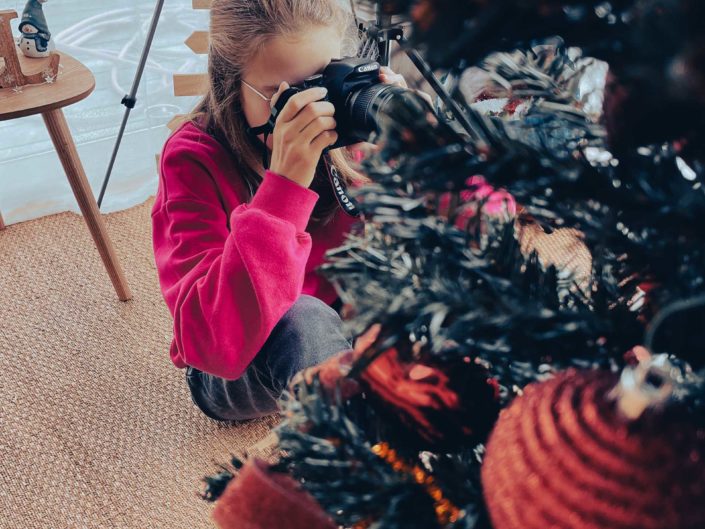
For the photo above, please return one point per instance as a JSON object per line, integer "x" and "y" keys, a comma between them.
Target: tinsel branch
{"x": 615, "y": 155}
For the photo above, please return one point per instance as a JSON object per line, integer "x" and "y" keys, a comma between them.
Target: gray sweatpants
{"x": 307, "y": 334}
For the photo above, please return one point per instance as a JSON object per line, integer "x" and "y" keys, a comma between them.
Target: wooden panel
{"x": 198, "y": 42}
{"x": 175, "y": 121}
{"x": 192, "y": 84}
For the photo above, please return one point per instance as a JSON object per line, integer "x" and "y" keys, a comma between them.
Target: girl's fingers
{"x": 387, "y": 76}
{"x": 311, "y": 112}
{"x": 324, "y": 139}
{"x": 317, "y": 126}
{"x": 397, "y": 80}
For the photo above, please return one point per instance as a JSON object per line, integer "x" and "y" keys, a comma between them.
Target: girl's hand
{"x": 303, "y": 129}
{"x": 387, "y": 76}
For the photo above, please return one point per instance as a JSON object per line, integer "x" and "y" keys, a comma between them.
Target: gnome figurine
{"x": 35, "y": 40}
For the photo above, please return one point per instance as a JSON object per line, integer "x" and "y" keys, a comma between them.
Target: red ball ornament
{"x": 562, "y": 456}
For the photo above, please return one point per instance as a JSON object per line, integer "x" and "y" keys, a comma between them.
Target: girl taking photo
{"x": 237, "y": 246}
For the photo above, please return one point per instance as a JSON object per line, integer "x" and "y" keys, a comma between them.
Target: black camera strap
{"x": 265, "y": 129}
{"x": 268, "y": 127}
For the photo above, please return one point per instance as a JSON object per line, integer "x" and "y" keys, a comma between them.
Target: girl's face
{"x": 285, "y": 58}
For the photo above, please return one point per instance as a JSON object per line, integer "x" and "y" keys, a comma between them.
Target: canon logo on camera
{"x": 367, "y": 67}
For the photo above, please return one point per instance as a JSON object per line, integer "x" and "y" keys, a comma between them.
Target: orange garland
{"x": 446, "y": 512}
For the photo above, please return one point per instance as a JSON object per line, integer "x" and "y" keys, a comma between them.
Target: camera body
{"x": 356, "y": 92}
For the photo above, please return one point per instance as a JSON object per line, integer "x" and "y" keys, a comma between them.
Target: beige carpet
{"x": 97, "y": 428}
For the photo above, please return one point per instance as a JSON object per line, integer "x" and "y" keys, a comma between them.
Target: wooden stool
{"x": 74, "y": 83}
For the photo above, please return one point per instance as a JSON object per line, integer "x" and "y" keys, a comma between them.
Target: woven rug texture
{"x": 97, "y": 428}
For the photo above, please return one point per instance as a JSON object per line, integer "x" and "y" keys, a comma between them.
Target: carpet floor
{"x": 97, "y": 427}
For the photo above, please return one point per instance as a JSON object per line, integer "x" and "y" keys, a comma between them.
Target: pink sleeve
{"x": 227, "y": 287}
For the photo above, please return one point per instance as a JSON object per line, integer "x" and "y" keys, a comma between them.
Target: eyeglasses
{"x": 248, "y": 85}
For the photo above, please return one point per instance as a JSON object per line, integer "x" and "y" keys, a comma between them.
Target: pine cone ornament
{"x": 434, "y": 405}
{"x": 564, "y": 456}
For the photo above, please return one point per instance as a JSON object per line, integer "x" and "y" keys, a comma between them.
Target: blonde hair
{"x": 238, "y": 30}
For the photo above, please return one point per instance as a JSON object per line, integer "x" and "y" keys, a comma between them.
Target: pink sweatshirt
{"x": 228, "y": 269}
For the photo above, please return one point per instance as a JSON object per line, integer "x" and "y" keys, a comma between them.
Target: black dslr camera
{"x": 356, "y": 92}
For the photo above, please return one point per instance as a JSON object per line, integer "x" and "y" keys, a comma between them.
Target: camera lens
{"x": 364, "y": 106}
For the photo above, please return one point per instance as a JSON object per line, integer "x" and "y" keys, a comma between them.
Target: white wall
{"x": 108, "y": 38}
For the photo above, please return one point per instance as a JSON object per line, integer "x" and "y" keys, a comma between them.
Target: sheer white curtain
{"x": 108, "y": 38}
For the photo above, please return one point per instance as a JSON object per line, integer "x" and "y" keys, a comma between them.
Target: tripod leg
{"x": 131, "y": 99}
{"x": 437, "y": 86}
{"x": 125, "y": 117}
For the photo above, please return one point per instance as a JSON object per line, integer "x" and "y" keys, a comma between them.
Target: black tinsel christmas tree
{"x": 494, "y": 382}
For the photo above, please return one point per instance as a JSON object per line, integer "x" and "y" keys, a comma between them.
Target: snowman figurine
{"x": 36, "y": 39}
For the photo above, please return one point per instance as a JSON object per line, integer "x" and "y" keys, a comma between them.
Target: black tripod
{"x": 384, "y": 31}
{"x": 130, "y": 100}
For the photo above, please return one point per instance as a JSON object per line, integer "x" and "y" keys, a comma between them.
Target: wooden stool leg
{"x": 2, "y": 223}
{"x": 66, "y": 149}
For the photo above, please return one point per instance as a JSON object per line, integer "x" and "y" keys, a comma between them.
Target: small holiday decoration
{"x": 11, "y": 74}
{"x": 440, "y": 405}
{"x": 262, "y": 499}
{"x": 564, "y": 455}
{"x": 36, "y": 38}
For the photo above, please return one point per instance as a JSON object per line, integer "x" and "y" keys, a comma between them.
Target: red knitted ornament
{"x": 259, "y": 498}
{"x": 562, "y": 457}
